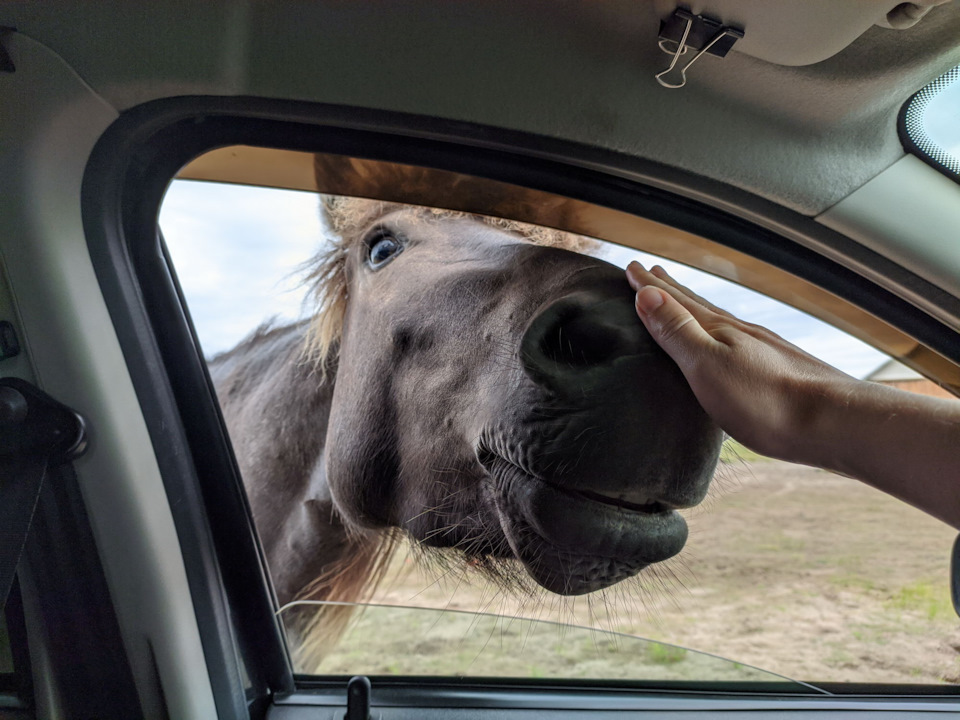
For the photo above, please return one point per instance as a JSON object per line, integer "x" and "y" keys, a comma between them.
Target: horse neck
{"x": 276, "y": 406}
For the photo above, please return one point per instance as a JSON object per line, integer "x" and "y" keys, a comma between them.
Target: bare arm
{"x": 779, "y": 401}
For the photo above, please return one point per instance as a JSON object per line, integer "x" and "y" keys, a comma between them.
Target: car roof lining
{"x": 804, "y": 137}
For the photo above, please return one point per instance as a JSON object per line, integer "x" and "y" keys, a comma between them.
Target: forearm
{"x": 904, "y": 444}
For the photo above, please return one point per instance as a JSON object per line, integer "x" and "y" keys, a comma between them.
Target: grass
{"x": 430, "y": 642}
{"x": 731, "y": 452}
{"x": 665, "y": 654}
{"x": 928, "y": 598}
{"x": 853, "y": 582}
{"x": 781, "y": 543}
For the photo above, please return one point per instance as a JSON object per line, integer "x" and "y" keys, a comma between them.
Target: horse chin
{"x": 574, "y": 542}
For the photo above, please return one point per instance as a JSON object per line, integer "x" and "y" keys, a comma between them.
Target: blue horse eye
{"x": 384, "y": 249}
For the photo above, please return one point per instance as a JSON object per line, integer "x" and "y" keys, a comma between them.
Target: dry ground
{"x": 789, "y": 569}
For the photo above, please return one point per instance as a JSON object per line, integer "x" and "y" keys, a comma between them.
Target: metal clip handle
{"x": 700, "y": 33}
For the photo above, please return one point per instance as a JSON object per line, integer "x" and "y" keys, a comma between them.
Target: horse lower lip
{"x": 574, "y": 522}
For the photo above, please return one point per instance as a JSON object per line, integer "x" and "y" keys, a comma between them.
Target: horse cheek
{"x": 362, "y": 461}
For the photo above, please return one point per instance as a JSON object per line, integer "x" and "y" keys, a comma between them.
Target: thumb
{"x": 671, "y": 324}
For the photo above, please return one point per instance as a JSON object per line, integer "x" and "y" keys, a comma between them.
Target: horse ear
{"x": 330, "y": 212}
{"x": 344, "y": 175}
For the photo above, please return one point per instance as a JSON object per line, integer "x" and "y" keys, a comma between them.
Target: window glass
{"x": 790, "y": 570}
{"x": 932, "y": 122}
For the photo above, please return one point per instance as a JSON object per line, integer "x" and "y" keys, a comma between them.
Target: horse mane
{"x": 346, "y": 219}
{"x": 354, "y": 579}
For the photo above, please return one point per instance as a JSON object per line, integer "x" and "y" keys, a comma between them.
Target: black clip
{"x": 703, "y": 34}
{"x": 33, "y": 424}
{"x": 6, "y": 63}
{"x": 9, "y": 347}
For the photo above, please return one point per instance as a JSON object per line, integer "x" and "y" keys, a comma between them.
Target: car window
{"x": 794, "y": 571}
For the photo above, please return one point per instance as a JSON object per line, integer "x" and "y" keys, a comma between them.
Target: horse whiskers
{"x": 446, "y": 507}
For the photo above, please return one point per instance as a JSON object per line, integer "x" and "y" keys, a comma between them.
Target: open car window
{"x": 788, "y": 572}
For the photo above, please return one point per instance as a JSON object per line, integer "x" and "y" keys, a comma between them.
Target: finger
{"x": 640, "y": 277}
{"x": 671, "y": 325}
{"x": 635, "y": 275}
{"x": 661, "y": 274}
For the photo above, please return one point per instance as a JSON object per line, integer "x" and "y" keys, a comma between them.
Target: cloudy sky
{"x": 237, "y": 251}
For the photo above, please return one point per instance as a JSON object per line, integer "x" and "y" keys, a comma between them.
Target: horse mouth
{"x": 620, "y": 501}
{"x": 576, "y": 541}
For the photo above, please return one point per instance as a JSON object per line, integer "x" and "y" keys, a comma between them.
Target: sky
{"x": 237, "y": 251}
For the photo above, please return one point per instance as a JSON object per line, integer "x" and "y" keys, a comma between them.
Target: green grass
{"x": 665, "y": 654}
{"x": 929, "y": 598}
{"x": 400, "y": 641}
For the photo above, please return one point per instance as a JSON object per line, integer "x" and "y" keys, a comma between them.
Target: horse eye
{"x": 382, "y": 249}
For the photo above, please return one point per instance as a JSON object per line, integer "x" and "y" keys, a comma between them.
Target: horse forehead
{"x": 447, "y": 246}
{"x": 455, "y": 230}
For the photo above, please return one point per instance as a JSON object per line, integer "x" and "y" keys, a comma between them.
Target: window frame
{"x": 123, "y": 186}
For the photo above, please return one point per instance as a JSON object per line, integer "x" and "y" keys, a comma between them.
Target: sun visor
{"x": 787, "y": 32}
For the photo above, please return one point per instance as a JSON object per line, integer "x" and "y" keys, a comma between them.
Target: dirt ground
{"x": 789, "y": 569}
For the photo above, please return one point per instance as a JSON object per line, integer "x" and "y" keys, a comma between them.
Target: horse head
{"x": 501, "y": 397}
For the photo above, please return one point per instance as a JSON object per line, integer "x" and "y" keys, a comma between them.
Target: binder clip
{"x": 684, "y": 32}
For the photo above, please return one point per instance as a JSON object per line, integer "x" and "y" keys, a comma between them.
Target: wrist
{"x": 812, "y": 417}
{"x": 819, "y": 420}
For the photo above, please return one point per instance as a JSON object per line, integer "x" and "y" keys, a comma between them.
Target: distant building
{"x": 898, "y": 375}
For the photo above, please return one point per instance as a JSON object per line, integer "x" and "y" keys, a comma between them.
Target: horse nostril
{"x": 578, "y": 333}
{"x": 580, "y": 341}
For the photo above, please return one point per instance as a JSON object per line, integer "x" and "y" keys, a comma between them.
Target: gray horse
{"x": 477, "y": 385}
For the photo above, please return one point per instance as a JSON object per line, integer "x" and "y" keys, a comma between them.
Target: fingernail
{"x": 649, "y": 299}
{"x": 633, "y": 274}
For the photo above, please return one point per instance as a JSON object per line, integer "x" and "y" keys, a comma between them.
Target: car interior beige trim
{"x": 909, "y": 213}
{"x": 49, "y": 124}
{"x": 439, "y": 188}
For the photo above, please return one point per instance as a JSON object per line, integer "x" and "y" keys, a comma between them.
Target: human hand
{"x": 781, "y": 402}
{"x": 761, "y": 389}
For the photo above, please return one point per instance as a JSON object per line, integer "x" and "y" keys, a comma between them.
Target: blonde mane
{"x": 346, "y": 219}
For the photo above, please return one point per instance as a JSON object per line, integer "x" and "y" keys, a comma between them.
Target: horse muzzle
{"x": 614, "y": 442}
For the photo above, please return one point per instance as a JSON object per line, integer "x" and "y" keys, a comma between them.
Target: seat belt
{"x": 37, "y": 433}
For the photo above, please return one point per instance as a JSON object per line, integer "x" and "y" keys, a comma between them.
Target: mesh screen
{"x": 914, "y": 123}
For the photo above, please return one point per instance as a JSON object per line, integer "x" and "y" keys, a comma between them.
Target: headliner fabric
{"x": 804, "y": 137}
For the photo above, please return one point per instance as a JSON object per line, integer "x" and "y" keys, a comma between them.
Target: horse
{"x": 474, "y": 384}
